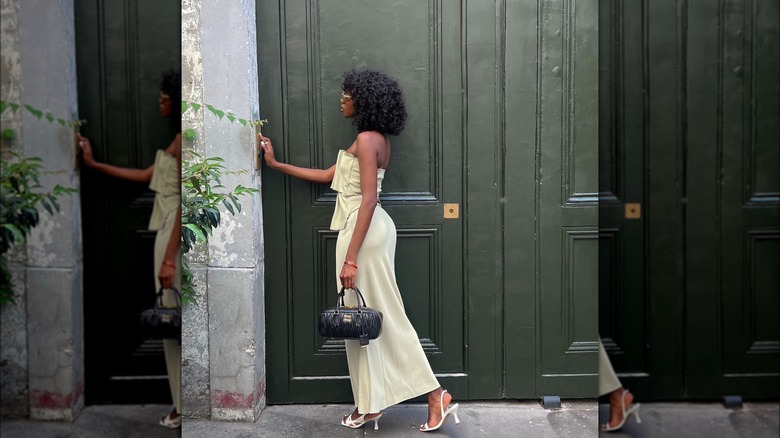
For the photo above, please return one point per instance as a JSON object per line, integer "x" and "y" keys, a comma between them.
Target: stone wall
{"x": 224, "y": 338}
{"x": 42, "y": 333}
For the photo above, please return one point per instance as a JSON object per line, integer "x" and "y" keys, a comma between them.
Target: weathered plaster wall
{"x": 13, "y": 329}
{"x": 220, "y": 68}
{"x": 39, "y": 69}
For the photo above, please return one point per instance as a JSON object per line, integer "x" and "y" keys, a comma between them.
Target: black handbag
{"x": 162, "y": 322}
{"x": 362, "y": 322}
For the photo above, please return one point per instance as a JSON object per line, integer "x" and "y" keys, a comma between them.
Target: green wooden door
{"x": 732, "y": 217}
{"x": 426, "y": 172}
{"x": 503, "y": 297}
{"x": 123, "y": 47}
{"x": 689, "y": 109}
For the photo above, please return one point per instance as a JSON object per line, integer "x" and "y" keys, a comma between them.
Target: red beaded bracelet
{"x": 169, "y": 263}
{"x": 348, "y": 263}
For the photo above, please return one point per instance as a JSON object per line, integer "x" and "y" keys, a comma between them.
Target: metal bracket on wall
{"x": 257, "y": 151}
{"x": 76, "y": 148}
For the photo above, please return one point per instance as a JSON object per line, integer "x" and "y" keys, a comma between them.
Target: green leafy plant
{"x": 20, "y": 196}
{"x": 220, "y": 114}
{"x": 38, "y": 114}
{"x": 202, "y": 196}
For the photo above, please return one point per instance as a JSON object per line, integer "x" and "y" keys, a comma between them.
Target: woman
{"x": 620, "y": 399}
{"x": 164, "y": 177}
{"x": 392, "y": 368}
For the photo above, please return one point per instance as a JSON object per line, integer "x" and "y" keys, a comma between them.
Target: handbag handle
{"x": 158, "y": 302}
{"x": 341, "y": 296}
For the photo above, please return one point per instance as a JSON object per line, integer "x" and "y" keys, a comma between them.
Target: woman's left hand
{"x": 347, "y": 276}
{"x": 166, "y": 275}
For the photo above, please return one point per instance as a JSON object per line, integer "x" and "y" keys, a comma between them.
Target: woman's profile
{"x": 393, "y": 367}
{"x": 164, "y": 177}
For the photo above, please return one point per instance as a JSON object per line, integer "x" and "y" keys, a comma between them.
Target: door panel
{"x": 622, "y": 244}
{"x": 733, "y": 214}
{"x": 689, "y": 126}
{"x": 423, "y": 55}
{"x": 567, "y": 172}
{"x": 122, "y": 49}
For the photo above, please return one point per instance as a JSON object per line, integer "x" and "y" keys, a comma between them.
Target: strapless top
{"x": 165, "y": 182}
{"x": 346, "y": 183}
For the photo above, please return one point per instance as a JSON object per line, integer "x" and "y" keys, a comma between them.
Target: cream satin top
{"x": 346, "y": 182}
{"x": 165, "y": 182}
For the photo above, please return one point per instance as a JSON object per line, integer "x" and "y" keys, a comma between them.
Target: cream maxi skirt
{"x": 171, "y": 346}
{"x": 393, "y": 367}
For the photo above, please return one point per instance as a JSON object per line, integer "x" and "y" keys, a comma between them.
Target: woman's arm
{"x": 368, "y": 147}
{"x": 168, "y": 268}
{"x": 322, "y": 176}
{"x": 126, "y": 173}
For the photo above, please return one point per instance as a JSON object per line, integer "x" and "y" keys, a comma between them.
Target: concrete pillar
{"x": 13, "y": 317}
{"x": 220, "y": 68}
{"x": 39, "y": 69}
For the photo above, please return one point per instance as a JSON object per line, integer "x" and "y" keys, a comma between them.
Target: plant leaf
{"x": 228, "y": 206}
{"x": 199, "y": 235}
{"x": 216, "y": 112}
{"x": 15, "y": 232}
{"x": 37, "y": 113}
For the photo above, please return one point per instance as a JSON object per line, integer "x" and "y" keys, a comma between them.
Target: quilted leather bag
{"x": 162, "y": 322}
{"x": 361, "y": 322}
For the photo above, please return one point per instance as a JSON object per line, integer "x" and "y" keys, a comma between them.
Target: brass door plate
{"x": 451, "y": 211}
{"x": 633, "y": 211}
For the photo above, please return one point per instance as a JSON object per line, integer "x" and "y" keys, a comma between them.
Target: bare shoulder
{"x": 369, "y": 141}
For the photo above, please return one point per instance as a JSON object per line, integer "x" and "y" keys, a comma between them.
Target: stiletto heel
{"x": 452, "y": 409}
{"x": 360, "y": 421}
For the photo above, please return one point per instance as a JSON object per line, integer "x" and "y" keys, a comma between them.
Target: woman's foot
{"x": 172, "y": 420}
{"x": 619, "y": 408}
{"x": 357, "y": 420}
{"x": 439, "y": 402}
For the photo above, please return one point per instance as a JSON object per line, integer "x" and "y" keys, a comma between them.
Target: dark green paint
{"x": 689, "y": 109}
{"x": 488, "y": 129}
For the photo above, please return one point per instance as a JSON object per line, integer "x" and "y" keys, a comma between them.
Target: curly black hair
{"x": 378, "y": 101}
{"x": 171, "y": 85}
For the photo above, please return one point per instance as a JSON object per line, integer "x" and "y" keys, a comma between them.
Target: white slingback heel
{"x": 452, "y": 409}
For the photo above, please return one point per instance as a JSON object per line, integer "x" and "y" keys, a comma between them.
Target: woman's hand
{"x": 348, "y": 275}
{"x": 86, "y": 150}
{"x": 167, "y": 271}
{"x": 268, "y": 150}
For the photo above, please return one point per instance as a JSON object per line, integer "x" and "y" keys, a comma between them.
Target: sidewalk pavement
{"x": 104, "y": 421}
{"x": 477, "y": 419}
{"x": 576, "y": 419}
{"x": 709, "y": 420}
